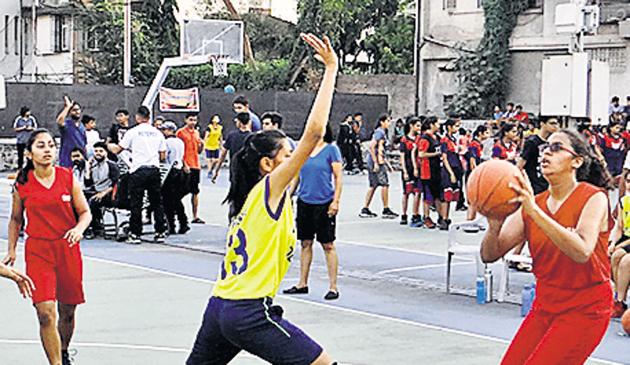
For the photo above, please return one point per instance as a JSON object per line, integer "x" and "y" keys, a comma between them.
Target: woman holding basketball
{"x": 52, "y": 200}
{"x": 261, "y": 243}
{"x": 567, "y": 228}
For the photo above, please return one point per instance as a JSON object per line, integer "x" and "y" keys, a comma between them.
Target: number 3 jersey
{"x": 260, "y": 246}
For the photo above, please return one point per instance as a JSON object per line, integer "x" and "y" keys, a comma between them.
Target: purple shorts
{"x": 253, "y": 325}
{"x": 212, "y": 153}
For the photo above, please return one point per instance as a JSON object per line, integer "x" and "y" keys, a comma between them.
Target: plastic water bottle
{"x": 527, "y": 299}
{"x": 481, "y": 290}
{"x": 487, "y": 280}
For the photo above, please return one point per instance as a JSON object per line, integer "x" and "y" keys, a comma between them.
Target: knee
{"x": 624, "y": 263}
{"x": 328, "y": 247}
{"x": 46, "y": 316}
{"x": 67, "y": 317}
{"x": 617, "y": 255}
{"x": 307, "y": 244}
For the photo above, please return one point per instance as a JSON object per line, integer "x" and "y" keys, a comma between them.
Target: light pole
{"x": 127, "y": 46}
{"x": 418, "y": 68}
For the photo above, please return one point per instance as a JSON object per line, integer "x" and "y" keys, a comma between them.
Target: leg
{"x": 136, "y": 188}
{"x": 385, "y": 196}
{"x": 47, "y": 316}
{"x": 616, "y": 257}
{"x": 155, "y": 200}
{"x": 20, "y": 155}
{"x": 306, "y": 258}
{"x": 332, "y": 264}
{"x": 66, "y": 324}
{"x": 416, "y": 204}
{"x": 323, "y": 359}
{"x": 527, "y": 338}
{"x": 368, "y": 197}
{"x": 623, "y": 278}
{"x": 194, "y": 201}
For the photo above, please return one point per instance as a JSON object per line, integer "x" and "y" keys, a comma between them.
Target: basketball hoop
{"x": 219, "y": 66}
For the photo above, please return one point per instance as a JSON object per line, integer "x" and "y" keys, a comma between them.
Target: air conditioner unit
{"x": 569, "y": 18}
{"x": 591, "y": 19}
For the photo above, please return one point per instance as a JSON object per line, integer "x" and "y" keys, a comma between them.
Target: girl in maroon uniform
{"x": 567, "y": 228}
{"x": 505, "y": 148}
{"x": 52, "y": 200}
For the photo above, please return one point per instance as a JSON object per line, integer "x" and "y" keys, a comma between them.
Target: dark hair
{"x": 276, "y": 118}
{"x": 215, "y": 115}
{"x": 78, "y": 149}
{"x": 408, "y": 123}
{"x": 615, "y": 99}
{"x": 510, "y": 104}
{"x": 519, "y": 106}
{"x": 24, "y": 110}
{"x": 243, "y": 118}
{"x": 191, "y": 114}
{"x": 592, "y": 171}
{"x": 100, "y": 144}
{"x": 122, "y": 111}
{"x": 87, "y": 118}
{"x": 358, "y": 114}
{"x": 245, "y": 167}
{"x": 428, "y": 123}
{"x": 381, "y": 118}
{"x": 481, "y": 129}
{"x": 355, "y": 123}
{"x": 22, "y": 177}
{"x": 144, "y": 112}
{"x": 448, "y": 123}
{"x": 241, "y": 99}
{"x": 329, "y": 137}
{"x": 505, "y": 128}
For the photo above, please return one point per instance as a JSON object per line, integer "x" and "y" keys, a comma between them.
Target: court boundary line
{"x": 328, "y": 306}
{"x": 422, "y": 267}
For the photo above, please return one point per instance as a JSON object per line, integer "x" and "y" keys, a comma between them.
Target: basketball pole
{"x": 127, "y": 46}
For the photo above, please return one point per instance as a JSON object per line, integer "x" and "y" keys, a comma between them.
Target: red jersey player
{"x": 567, "y": 228}
{"x": 52, "y": 200}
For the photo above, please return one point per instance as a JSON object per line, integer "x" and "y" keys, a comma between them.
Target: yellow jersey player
{"x": 261, "y": 240}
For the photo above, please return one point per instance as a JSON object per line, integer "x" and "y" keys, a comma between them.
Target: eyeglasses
{"x": 556, "y": 147}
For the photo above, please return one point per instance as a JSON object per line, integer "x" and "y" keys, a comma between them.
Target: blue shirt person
{"x": 72, "y": 131}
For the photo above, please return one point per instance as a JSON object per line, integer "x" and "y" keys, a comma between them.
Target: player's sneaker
{"x": 428, "y": 223}
{"x": 388, "y": 214}
{"x": 403, "y": 220}
{"x": 159, "y": 237}
{"x": 619, "y": 308}
{"x": 367, "y": 213}
{"x": 66, "y": 358}
{"x": 416, "y": 222}
{"x": 133, "y": 239}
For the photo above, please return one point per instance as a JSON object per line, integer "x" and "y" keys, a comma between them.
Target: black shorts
{"x": 621, "y": 240}
{"x": 193, "y": 181}
{"x": 253, "y": 325}
{"x": 313, "y": 220}
{"x": 432, "y": 186}
{"x": 378, "y": 178}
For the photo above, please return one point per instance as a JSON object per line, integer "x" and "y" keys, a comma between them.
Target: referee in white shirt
{"x": 148, "y": 147}
{"x": 174, "y": 188}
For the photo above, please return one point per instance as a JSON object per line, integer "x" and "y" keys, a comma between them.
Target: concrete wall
{"x": 101, "y": 101}
{"x": 399, "y": 88}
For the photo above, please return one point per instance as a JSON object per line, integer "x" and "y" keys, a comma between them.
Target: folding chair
{"x": 465, "y": 239}
{"x": 505, "y": 280}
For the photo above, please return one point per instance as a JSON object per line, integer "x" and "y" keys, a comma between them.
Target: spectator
{"x": 72, "y": 131}
{"x": 193, "y": 145}
{"x": 356, "y": 147}
{"x": 91, "y": 134}
{"x": 520, "y": 116}
{"x": 509, "y": 113}
{"x": 117, "y": 132}
{"x": 614, "y": 106}
{"x": 498, "y": 113}
{"x": 317, "y": 208}
{"x": 364, "y": 133}
{"x": 619, "y": 249}
{"x": 173, "y": 190}
{"x": 274, "y": 120}
{"x": 213, "y": 139}
{"x": 23, "y": 126}
{"x": 234, "y": 141}
{"x": 505, "y": 147}
{"x": 148, "y": 148}
{"x": 613, "y": 149}
{"x": 241, "y": 105}
{"x": 409, "y": 180}
{"x": 344, "y": 143}
{"x": 530, "y": 155}
{"x": 377, "y": 170}
{"x": 626, "y": 109}
{"x": 427, "y": 156}
{"x": 77, "y": 158}
{"x": 452, "y": 172}
{"x": 158, "y": 121}
{"x": 399, "y": 132}
{"x": 100, "y": 180}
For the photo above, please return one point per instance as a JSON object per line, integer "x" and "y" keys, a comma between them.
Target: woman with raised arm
{"x": 57, "y": 215}
{"x": 567, "y": 227}
{"x": 261, "y": 243}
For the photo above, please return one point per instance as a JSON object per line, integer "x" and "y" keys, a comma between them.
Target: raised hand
{"x": 323, "y": 48}
{"x": 68, "y": 103}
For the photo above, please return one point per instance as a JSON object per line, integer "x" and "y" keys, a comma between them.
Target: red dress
{"x": 573, "y": 302}
{"x": 56, "y": 268}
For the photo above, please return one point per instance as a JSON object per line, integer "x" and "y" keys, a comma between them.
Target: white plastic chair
{"x": 507, "y": 260}
{"x": 465, "y": 239}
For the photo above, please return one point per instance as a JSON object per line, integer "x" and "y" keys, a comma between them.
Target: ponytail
{"x": 245, "y": 166}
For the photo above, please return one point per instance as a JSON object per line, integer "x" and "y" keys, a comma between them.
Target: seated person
{"x": 77, "y": 156}
{"x": 100, "y": 179}
{"x": 619, "y": 249}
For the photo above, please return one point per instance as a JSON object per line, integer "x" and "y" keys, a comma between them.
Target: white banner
{"x": 172, "y": 100}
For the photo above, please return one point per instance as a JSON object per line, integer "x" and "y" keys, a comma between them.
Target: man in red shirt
{"x": 193, "y": 146}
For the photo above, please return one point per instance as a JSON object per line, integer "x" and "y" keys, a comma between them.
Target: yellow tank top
{"x": 260, "y": 246}
{"x": 625, "y": 211}
{"x": 213, "y": 138}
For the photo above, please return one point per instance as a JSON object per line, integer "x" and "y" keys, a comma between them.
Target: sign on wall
{"x": 173, "y": 100}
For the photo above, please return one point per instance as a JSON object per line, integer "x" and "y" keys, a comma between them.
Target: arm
{"x": 337, "y": 168}
{"x": 372, "y": 151}
{"x": 61, "y": 118}
{"x": 224, "y": 152}
{"x": 414, "y": 160}
{"x": 578, "y": 243}
{"x": 404, "y": 168}
{"x": 520, "y": 163}
{"x": 502, "y": 236}
{"x": 24, "y": 283}
{"x": 15, "y": 222}
{"x": 114, "y": 148}
{"x": 315, "y": 125}
{"x": 82, "y": 210}
{"x": 16, "y": 128}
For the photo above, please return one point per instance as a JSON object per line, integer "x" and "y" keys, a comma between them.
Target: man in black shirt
{"x": 234, "y": 140}
{"x": 118, "y": 130}
{"x": 529, "y": 159}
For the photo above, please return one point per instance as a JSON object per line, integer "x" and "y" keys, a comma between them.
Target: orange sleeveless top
{"x": 563, "y": 284}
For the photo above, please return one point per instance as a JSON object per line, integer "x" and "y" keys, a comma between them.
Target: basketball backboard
{"x": 212, "y": 37}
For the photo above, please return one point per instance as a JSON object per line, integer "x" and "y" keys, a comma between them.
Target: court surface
{"x": 144, "y": 303}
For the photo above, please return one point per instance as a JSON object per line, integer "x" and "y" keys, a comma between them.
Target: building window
{"x": 447, "y": 100}
{"x": 16, "y": 34}
{"x": 449, "y": 5}
{"x": 534, "y": 3}
{"x": 26, "y": 35}
{"x": 6, "y": 34}
{"x": 62, "y": 33}
{"x": 615, "y": 57}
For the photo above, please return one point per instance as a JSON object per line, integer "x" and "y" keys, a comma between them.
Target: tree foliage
{"x": 484, "y": 75}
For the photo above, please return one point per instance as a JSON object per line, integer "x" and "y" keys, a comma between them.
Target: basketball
{"x": 229, "y": 89}
{"x": 488, "y": 189}
{"x": 625, "y": 321}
